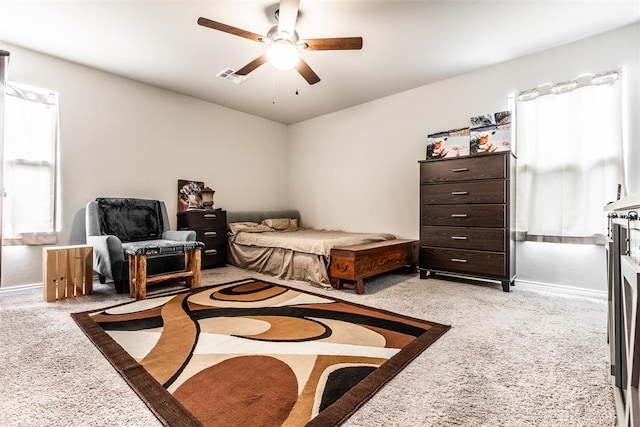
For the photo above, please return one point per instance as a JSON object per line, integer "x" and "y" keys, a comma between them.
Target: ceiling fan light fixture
{"x": 283, "y": 43}
{"x": 283, "y": 55}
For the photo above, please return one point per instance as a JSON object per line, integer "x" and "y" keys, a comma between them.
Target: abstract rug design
{"x": 255, "y": 353}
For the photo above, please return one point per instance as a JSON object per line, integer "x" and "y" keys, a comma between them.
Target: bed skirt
{"x": 281, "y": 263}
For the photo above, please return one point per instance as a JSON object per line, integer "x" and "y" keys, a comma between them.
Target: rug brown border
{"x": 171, "y": 412}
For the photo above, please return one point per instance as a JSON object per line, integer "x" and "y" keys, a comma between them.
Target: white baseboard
{"x": 16, "y": 288}
{"x": 561, "y": 289}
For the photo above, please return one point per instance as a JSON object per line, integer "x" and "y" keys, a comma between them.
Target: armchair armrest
{"x": 180, "y": 235}
{"x": 107, "y": 251}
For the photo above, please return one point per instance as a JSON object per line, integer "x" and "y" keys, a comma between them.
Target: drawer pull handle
{"x": 459, "y": 193}
{"x": 342, "y": 270}
{"x": 210, "y": 216}
{"x": 210, "y": 233}
{"x": 458, "y": 260}
{"x": 460, "y": 170}
{"x": 458, "y": 215}
{"x": 211, "y": 252}
{"x": 459, "y": 237}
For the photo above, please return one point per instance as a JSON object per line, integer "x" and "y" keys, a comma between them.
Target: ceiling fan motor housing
{"x": 273, "y": 36}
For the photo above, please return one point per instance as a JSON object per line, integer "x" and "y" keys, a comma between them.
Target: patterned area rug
{"x": 255, "y": 353}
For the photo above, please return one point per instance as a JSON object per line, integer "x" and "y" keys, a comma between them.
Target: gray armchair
{"x": 114, "y": 224}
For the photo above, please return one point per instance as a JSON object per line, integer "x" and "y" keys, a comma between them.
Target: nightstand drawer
{"x": 460, "y": 261}
{"x": 491, "y": 191}
{"x": 211, "y": 237}
{"x": 489, "y": 166}
{"x": 202, "y": 219}
{"x": 464, "y": 215}
{"x": 484, "y": 239}
{"x": 214, "y": 256}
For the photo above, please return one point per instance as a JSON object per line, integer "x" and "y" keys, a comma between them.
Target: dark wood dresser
{"x": 466, "y": 213}
{"x": 211, "y": 229}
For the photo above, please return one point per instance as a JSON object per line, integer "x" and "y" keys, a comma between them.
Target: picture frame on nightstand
{"x": 189, "y": 195}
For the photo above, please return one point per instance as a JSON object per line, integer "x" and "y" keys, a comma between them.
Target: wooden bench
{"x": 357, "y": 262}
{"x": 138, "y": 279}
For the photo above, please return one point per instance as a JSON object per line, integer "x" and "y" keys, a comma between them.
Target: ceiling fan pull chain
{"x": 273, "y": 86}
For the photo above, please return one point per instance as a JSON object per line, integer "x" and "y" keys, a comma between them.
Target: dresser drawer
{"x": 202, "y": 219}
{"x": 489, "y": 166}
{"x": 485, "y": 239}
{"x": 464, "y": 215}
{"x": 491, "y": 191}
{"x": 463, "y": 261}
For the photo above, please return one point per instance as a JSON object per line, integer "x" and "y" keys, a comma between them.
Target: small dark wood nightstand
{"x": 211, "y": 229}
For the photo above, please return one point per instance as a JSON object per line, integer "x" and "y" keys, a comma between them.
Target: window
{"x": 570, "y": 158}
{"x": 29, "y": 175}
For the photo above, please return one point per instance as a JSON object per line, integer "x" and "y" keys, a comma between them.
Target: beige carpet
{"x": 525, "y": 358}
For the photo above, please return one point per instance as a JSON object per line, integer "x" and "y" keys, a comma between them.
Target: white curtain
{"x": 570, "y": 158}
{"x": 30, "y": 157}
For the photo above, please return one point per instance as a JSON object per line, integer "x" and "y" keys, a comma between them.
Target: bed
{"x": 277, "y": 244}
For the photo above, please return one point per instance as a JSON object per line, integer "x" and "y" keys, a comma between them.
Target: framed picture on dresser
{"x": 491, "y": 133}
{"x": 451, "y": 143}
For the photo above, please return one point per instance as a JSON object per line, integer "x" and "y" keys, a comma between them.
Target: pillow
{"x": 250, "y": 227}
{"x": 281, "y": 223}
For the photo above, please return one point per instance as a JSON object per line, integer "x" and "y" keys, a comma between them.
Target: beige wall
{"x": 357, "y": 169}
{"x": 123, "y": 138}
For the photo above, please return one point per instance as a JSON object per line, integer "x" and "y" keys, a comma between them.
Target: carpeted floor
{"x": 525, "y": 358}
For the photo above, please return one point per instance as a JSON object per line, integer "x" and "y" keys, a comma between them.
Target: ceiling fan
{"x": 284, "y": 45}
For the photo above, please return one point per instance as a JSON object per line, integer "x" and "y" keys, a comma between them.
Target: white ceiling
{"x": 407, "y": 44}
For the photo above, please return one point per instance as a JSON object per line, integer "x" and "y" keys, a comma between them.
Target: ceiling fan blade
{"x": 305, "y": 71}
{"x": 252, "y": 65}
{"x": 229, "y": 29}
{"x": 287, "y": 16}
{"x": 336, "y": 43}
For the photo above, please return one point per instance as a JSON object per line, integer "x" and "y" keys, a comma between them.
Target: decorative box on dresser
{"x": 466, "y": 213}
{"x": 211, "y": 229}
{"x": 623, "y": 277}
